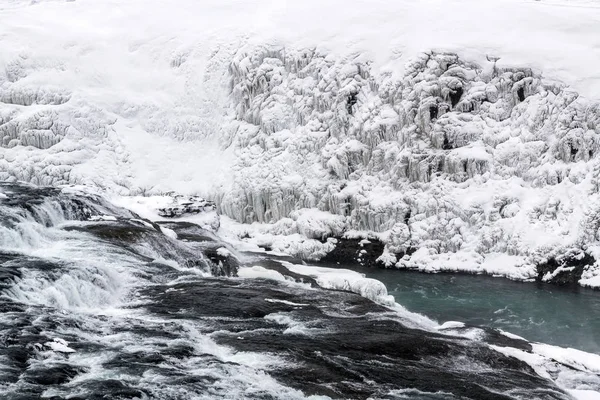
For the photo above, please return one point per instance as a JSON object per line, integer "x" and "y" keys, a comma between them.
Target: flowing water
{"x": 97, "y": 303}
{"x": 568, "y": 317}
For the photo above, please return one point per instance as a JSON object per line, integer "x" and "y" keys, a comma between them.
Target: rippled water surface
{"x": 97, "y": 303}
{"x": 538, "y": 312}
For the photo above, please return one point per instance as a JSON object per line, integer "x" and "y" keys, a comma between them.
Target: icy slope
{"x": 456, "y": 128}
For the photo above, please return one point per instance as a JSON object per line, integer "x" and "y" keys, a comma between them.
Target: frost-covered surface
{"x": 472, "y": 145}
{"x": 572, "y": 369}
{"x": 165, "y": 207}
{"x": 480, "y": 168}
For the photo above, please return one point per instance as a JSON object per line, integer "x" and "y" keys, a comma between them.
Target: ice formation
{"x": 479, "y": 167}
{"x": 478, "y": 164}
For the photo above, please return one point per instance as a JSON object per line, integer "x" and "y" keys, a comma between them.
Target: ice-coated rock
{"x": 452, "y": 157}
{"x": 183, "y": 205}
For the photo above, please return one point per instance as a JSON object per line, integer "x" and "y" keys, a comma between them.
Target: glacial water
{"x": 538, "y": 312}
{"x": 98, "y": 303}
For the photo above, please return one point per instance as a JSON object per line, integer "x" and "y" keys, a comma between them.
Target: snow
{"x": 577, "y": 359}
{"x": 258, "y": 272}
{"x": 465, "y": 129}
{"x": 573, "y": 370}
{"x": 585, "y": 394}
{"x": 60, "y": 346}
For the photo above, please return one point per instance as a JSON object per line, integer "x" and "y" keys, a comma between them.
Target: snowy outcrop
{"x": 459, "y": 160}
{"x": 183, "y": 205}
{"x": 192, "y": 205}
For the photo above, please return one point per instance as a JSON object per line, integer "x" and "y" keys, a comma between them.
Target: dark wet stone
{"x": 455, "y": 96}
{"x": 496, "y": 338}
{"x": 565, "y": 277}
{"x": 352, "y": 252}
{"x": 213, "y": 297}
{"x": 521, "y": 94}
{"x": 352, "y": 100}
{"x": 273, "y": 264}
{"x": 208, "y": 244}
{"x": 433, "y": 112}
{"x": 55, "y": 375}
{"x": 222, "y": 265}
{"x": 349, "y": 348}
{"x": 116, "y": 231}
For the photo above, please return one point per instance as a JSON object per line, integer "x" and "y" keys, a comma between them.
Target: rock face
{"x": 363, "y": 252}
{"x": 566, "y": 270}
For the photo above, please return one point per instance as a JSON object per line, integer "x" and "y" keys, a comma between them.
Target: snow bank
{"x": 344, "y": 279}
{"x": 468, "y": 139}
{"x": 573, "y": 370}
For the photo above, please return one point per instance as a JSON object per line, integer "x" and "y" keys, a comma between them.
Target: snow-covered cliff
{"x": 454, "y": 131}
{"x": 478, "y": 167}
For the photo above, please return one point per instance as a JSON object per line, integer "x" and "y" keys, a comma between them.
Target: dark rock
{"x": 455, "y": 96}
{"x": 433, "y": 112}
{"x": 223, "y": 262}
{"x": 521, "y": 94}
{"x": 352, "y": 99}
{"x": 570, "y": 276}
{"x": 355, "y": 252}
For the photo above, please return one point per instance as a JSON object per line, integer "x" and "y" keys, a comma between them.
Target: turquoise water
{"x": 537, "y": 312}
